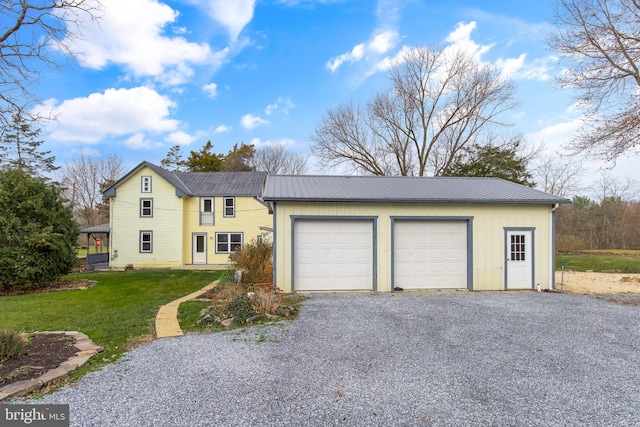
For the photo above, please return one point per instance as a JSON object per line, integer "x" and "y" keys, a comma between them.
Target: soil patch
{"x": 43, "y": 353}
{"x": 60, "y": 285}
{"x": 619, "y": 288}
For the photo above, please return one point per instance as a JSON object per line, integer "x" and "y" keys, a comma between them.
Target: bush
{"x": 37, "y": 232}
{"x": 255, "y": 260}
{"x": 128, "y": 267}
{"x": 11, "y": 345}
{"x": 241, "y": 309}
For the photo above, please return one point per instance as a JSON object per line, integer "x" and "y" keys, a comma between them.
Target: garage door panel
{"x": 333, "y": 255}
{"x": 430, "y": 254}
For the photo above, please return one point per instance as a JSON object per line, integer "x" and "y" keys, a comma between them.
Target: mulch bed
{"x": 42, "y": 353}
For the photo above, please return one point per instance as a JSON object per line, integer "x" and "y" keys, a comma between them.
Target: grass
{"x": 188, "y": 313}
{"x": 81, "y": 252}
{"x": 117, "y": 313}
{"x": 624, "y": 261}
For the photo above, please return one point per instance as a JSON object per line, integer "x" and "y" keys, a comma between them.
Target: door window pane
{"x": 518, "y": 247}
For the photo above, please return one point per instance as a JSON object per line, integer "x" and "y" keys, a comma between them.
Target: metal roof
{"x": 402, "y": 189}
{"x": 97, "y": 229}
{"x": 223, "y": 183}
{"x": 203, "y": 183}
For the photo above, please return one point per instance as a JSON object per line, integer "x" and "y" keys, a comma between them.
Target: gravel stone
{"x": 416, "y": 358}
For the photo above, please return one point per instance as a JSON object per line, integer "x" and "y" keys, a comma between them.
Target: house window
{"x": 206, "y": 211}
{"x": 229, "y": 206}
{"x": 146, "y": 208}
{"x": 146, "y": 184}
{"x": 227, "y": 243}
{"x": 146, "y": 241}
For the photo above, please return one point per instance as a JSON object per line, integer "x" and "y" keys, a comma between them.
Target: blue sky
{"x": 154, "y": 74}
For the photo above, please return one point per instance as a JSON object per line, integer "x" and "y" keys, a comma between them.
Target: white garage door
{"x": 430, "y": 254}
{"x": 333, "y": 255}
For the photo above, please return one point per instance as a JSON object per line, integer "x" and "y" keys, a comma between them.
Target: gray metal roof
{"x": 203, "y": 183}
{"x": 223, "y": 183}
{"x": 402, "y": 189}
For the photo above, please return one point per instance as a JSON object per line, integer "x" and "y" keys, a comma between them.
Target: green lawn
{"x": 624, "y": 261}
{"x": 115, "y": 313}
{"x": 81, "y": 252}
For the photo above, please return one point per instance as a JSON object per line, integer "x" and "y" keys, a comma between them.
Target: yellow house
{"x": 160, "y": 218}
{"x": 337, "y": 233}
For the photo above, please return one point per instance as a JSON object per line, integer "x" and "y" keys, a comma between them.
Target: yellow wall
{"x": 250, "y": 216}
{"x": 174, "y": 221}
{"x": 126, "y": 223}
{"x": 488, "y": 251}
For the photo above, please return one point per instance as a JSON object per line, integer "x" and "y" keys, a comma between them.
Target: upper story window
{"x": 206, "y": 211}
{"x": 146, "y": 207}
{"x": 145, "y": 185}
{"x": 229, "y": 206}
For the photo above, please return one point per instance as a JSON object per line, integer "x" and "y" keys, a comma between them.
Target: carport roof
{"x": 313, "y": 188}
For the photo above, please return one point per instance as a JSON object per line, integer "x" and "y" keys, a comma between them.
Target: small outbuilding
{"x": 362, "y": 233}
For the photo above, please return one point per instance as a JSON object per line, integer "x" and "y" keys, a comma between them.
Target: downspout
{"x": 552, "y": 241}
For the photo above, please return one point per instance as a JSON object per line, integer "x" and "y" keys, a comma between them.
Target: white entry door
{"x": 199, "y": 248}
{"x": 519, "y": 259}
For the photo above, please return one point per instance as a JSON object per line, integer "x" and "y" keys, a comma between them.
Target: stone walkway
{"x": 167, "y": 318}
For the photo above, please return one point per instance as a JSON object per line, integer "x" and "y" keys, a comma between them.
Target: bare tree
{"x": 275, "y": 159}
{"x": 28, "y": 30}
{"x": 555, "y": 176}
{"x": 439, "y": 102}
{"x": 84, "y": 179}
{"x": 599, "y": 43}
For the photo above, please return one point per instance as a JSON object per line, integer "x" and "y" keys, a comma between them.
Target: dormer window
{"x": 146, "y": 184}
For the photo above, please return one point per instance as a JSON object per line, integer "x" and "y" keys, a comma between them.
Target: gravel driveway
{"x": 441, "y": 358}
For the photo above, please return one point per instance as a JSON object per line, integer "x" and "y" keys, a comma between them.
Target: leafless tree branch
{"x": 438, "y": 103}
{"x": 599, "y": 41}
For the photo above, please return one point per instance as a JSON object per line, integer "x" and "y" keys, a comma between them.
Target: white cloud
{"x": 249, "y": 121}
{"x": 379, "y": 45}
{"x": 518, "y": 68}
{"x": 116, "y": 112}
{"x": 257, "y": 142}
{"x": 211, "y": 90}
{"x": 223, "y": 129}
{"x": 282, "y": 104}
{"x": 556, "y": 137}
{"x": 234, "y": 15}
{"x": 460, "y": 39}
{"x": 385, "y": 37}
{"x": 180, "y": 138}
{"x": 138, "y": 141}
{"x": 131, "y": 34}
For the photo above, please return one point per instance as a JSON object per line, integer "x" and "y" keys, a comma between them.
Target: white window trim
{"x": 150, "y": 233}
{"x": 142, "y": 200}
{"x": 224, "y": 207}
{"x": 228, "y": 242}
{"x": 142, "y": 184}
